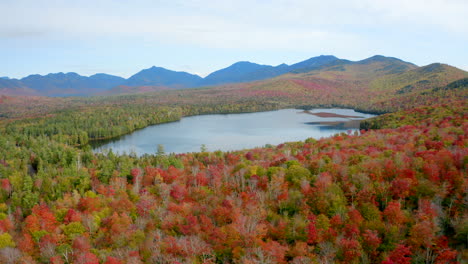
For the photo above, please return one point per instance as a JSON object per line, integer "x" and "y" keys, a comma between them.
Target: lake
{"x": 235, "y": 131}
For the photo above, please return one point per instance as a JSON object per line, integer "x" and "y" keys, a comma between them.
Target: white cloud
{"x": 241, "y": 23}
{"x": 351, "y": 29}
{"x": 257, "y": 27}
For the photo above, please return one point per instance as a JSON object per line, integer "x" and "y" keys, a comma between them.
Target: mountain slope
{"x": 124, "y": 89}
{"x": 15, "y": 87}
{"x": 247, "y": 71}
{"x": 364, "y": 85}
{"x": 430, "y": 76}
{"x": 157, "y": 76}
{"x": 315, "y": 63}
{"x": 104, "y": 81}
{"x": 234, "y": 73}
{"x": 60, "y": 84}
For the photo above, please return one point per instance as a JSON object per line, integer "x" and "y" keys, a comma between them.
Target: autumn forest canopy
{"x": 394, "y": 193}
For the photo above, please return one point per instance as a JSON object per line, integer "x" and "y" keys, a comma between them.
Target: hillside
{"x": 157, "y": 76}
{"x": 15, "y": 87}
{"x": 247, "y": 71}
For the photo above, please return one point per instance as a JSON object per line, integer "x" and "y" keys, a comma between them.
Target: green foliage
{"x": 295, "y": 174}
{"x": 6, "y": 240}
{"x": 73, "y": 229}
{"x": 37, "y": 235}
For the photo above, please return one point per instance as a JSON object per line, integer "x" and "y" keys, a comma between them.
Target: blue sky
{"x": 122, "y": 37}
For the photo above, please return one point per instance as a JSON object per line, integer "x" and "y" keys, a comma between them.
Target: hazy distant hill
{"x": 243, "y": 71}
{"x": 316, "y": 63}
{"x": 71, "y": 83}
{"x": 157, "y": 76}
{"x": 15, "y": 87}
{"x": 378, "y": 73}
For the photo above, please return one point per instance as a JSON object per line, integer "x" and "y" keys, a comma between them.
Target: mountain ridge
{"x": 73, "y": 84}
{"x": 158, "y": 76}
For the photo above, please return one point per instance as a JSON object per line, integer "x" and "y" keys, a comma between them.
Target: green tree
{"x": 6, "y": 240}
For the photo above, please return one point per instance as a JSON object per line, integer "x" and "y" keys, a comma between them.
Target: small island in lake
{"x": 328, "y": 115}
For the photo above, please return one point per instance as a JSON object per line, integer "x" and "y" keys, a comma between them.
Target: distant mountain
{"x": 157, "y": 76}
{"x": 238, "y": 72}
{"x": 104, "y": 81}
{"x": 60, "y": 84}
{"x": 391, "y": 65}
{"x": 316, "y": 63}
{"x": 5, "y": 77}
{"x": 382, "y": 71}
{"x": 245, "y": 71}
{"x": 15, "y": 87}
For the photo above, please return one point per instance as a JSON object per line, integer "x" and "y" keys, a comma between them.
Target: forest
{"x": 394, "y": 193}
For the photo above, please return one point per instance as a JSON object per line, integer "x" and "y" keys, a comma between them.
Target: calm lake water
{"x": 234, "y": 131}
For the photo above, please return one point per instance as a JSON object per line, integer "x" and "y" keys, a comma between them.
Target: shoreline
{"x": 328, "y": 115}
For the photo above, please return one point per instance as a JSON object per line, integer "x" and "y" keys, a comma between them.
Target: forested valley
{"x": 394, "y": 193}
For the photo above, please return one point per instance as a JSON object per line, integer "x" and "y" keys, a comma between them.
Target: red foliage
{"x": 351, "y": 230}
{"x": 81, "y": 244}
{"x": 112, "y": 260}
{"x": 201, "y": 179}
{"x": 87, "y": 258}
{"x": 355, "y": 216}
{"x": 56, "y": 260}
{"x": 118, "y": 223}
{"x": 32, "y": 223}
{"x": 400, "y": 188}
{"x": 150, "y": 175}
{"x": 48, "y": 240}
{"x": 351, "y": 249}
{"x": 171, "y": 174}
{"x": 336, "y": 222}
{"x": 89, "y": 204}
{"x": 46, "y": 218}
{"x": 135, "y": 172}
{"x": 445, "y": 254}
{"x": 26, "y": 244}
{"x": 312, "y": 233}
{"x": 144, "y": 207}
{"x": 371, "y": 241}
{"x": 178, "y": 192}
{"x": 122, "y": 204}
{"x": 6, "y": 186}
{"x": 72, "y": 216}
{"x": 426, "y": 210}
{"x": 276, "y": 250}
{"x": 393, "y": 213}
{"x": 400, "y": 255}
{"x": 6, "y": 225}
{"x": 422, "y": 234}
{"x": 191, "y": 227}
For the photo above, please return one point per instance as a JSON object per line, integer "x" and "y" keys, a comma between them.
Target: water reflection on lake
{"x": 235, "y": 131}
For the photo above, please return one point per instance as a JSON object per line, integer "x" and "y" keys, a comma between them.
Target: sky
{"x": 122, "y": 37}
